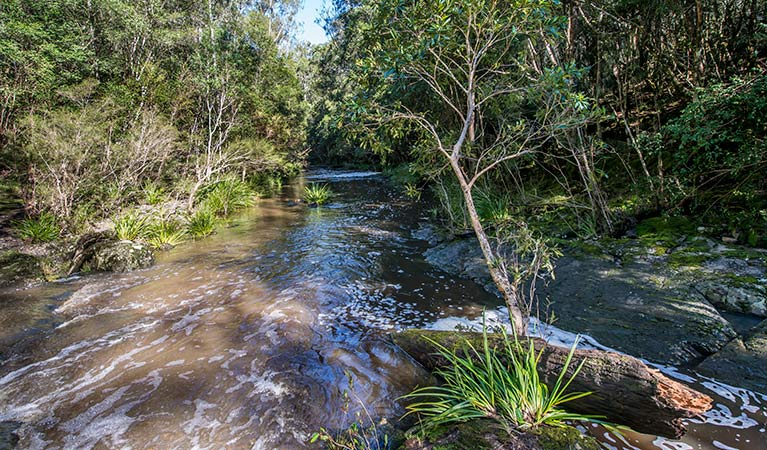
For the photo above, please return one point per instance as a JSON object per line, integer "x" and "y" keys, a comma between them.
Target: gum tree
{"x": 481, "y": 82}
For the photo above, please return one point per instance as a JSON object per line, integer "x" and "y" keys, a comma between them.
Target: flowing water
{"x": 257, "y": 336}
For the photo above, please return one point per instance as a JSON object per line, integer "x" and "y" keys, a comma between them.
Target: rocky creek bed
{"x": 693, "y": 303}
{"x": 288, "y": 301}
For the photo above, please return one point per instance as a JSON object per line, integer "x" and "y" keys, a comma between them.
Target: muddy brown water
{"x": 252, "y": 337}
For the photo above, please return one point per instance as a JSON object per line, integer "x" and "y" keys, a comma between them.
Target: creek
{"x": 259, "y": 335}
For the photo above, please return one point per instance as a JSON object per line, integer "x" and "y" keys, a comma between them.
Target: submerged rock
{"x": 483, "y": 434}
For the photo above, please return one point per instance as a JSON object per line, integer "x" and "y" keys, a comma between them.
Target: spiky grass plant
{"x": 165, "y": 234}
{"x": 130, "y": 226}
{"x": 228, "y": 196}
{"x": 317, "y": 194}
{"x": 202, "y": 223}
{"x": 43, "y": 228}
{"x": 500, "y": 384}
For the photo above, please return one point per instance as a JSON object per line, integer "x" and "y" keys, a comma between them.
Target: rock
{"x": 735, "y": 294}
{"x": 636, "y": 308}
{"x": 484, "y": 434}
{"x": 118, "y": 256}
{"x": 16, "y": 267}
{"x": 742, "y": 362}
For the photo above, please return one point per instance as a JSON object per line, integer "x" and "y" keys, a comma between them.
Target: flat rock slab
{"x": 628, "y": 307}
{"x": 742, "y": 362}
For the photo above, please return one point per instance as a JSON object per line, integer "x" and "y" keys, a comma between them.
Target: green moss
{"x": 664, "y": 231}
{"x": 744, "y": 253}
{"x": 484, "y": 434}
{"x": 564, "y": 438}
{"x": 739, "y": 281}
{"x": 584, "y": 248}
{"x": 682, "y": 259}
{"x": 477, "y": 434}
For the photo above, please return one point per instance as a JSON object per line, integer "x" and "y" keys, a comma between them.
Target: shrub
{"x": 202, "y": 223}
{"x": 165, "y": 234}
{"x": 93, "y": 155}
{"x": 317, "y": 194}
{"x": 130, "y": 227}
{"x": 499, "y": 384}
{"x": 43, "y": 228}
{"x": 493, "y": 209}
{"x": 227, "y": 196}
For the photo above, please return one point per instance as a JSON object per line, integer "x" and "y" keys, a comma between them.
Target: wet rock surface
{"x": 743, "y": 361}
{"x": 662, "y": 300}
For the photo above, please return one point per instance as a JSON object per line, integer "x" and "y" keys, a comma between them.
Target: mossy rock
{"x": 16, "y": 267}
{"x": 485, "y": 434}
{"x": 665, "y": 231}
{"x": 118, "y": 256}
{"x": 665, "y": 225}
{"x": 564, "y": 438}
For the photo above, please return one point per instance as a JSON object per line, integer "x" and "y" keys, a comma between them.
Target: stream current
{"x": 259, "y": 335}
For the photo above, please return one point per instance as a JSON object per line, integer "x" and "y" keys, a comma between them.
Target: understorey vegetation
{"x": 646, "y": 109}
{"x": 184, "y": 106}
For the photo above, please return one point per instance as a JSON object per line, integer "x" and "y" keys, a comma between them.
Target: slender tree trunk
{"x": 509, "y": 292}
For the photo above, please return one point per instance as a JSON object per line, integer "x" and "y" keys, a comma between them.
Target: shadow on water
{"x": 246, "y": 339}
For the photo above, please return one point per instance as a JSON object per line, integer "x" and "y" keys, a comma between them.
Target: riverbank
{"x": 663, "y": 296}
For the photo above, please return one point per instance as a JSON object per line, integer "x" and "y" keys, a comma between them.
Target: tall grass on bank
{"x": 130, "y": 226}
{"x": 43, "y": 228}
{"x": 501, "y": 384}
{"x": 165, "y": 234}
{"x": 229, "y": 195}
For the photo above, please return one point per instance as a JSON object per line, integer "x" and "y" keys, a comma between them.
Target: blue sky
{"x": 308, "y": 14}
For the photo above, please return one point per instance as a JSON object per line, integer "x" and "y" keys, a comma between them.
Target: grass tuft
{"x": 130, "y": 226}
{"x": 499, "y": 384}
{"x": 317, "y": 194}
{"x": 154, "y": 194}
{"x": 165, "y": 234}
{"x": 228, "y": 196}
{"x": 43, "y": 228}
{"x": 202, "y": 223}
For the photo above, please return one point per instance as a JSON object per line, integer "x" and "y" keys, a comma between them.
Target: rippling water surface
{"x": 250, "y": 338}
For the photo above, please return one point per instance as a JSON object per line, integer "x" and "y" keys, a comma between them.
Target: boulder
{"x": 735, "y": 294}
{"x": 742, "y": 362}
{"x": 16, "y": 267}
{"x": 631, "y": 304}
{"x": 118, "y": 256}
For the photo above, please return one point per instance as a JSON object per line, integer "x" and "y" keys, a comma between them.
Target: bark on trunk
{"x": 517, "y": 312}
{"x": 624, "y": 390}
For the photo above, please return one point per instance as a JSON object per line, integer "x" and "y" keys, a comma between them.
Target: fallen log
{"x": 624, "y": 390}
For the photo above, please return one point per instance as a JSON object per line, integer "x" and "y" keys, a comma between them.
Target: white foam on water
{"x": 106, "y": 420}
{"x": 333, "y": 175}
{"x": 667, "y": 444}
{"x": 718, "y": 444}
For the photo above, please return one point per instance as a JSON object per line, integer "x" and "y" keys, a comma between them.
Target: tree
{"x": 490, "y": 92}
